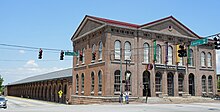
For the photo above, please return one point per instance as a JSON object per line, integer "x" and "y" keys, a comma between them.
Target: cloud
{"x": 21, "y": 51}
{"x": 31, "y": 64}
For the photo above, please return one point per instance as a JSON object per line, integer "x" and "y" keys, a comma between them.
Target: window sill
{"x": 100, "y": 59}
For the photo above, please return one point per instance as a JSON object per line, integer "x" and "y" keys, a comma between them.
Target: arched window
{"x": 191, "y": 58}
{"x": 202, "y": 57}
{"x": 146, "y": 53}
{"x": 82, "y": 78}
{"x": 210, "y": 86}
{"x": 203, "y": 84}
{"x": 158, "y": 54}
{"x": 77, "y": 83}
{"x": 170, "y": 55}
{"x": 93, "y": 51}
{"x": 180, "y": 82}
{"x": 92, "y": 81}
{"x": 100, "y": 81}
{"x": 158, "y": 82}
{"x": 100, "y": 50}
{"x": 127, "y": 51}
{"x": 117, "y": 49}
{"x": 117, "y": 81}
{"x": 83, "y": 53}
{"x": 209, "y": 59}
{"x": 77, "y": 60}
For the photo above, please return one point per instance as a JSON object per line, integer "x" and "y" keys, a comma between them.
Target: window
{"x": 180, "y": 82}
{"x": 93, "y": 50}
{"x": 77, "y": 59}
{"x": 181, "y": 63}
{"x": 158, "y": 82}
{"x": 170, "y": 55}
{"x": 210, "y": 84}
{"x": 117, "y": 81}
{"x": 191, "y": 59}
{"x": 209, "y": 59}
{"x": 77, "y": 83}
{"x": 117, "y": 49}
{"x": 127, "y": 51}
{"x": 158, "y": 54}
{"x": 83, "y": 53}
{"x": 203, "y": 84}
{"x": 100, "y": 50}
{"x": 93, "y": 82}
{"x": 82, "y": 78}
{"x": 146, "y": 53}
{"x": 202, "y": 57}
{"x": 100, "y": 81}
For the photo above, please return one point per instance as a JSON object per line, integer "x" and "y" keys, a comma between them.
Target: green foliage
{"x": 1, "y": 86}
{"x": 218, "y": 84}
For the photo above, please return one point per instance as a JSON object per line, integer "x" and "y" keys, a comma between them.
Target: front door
{"x": 191, "y": 85}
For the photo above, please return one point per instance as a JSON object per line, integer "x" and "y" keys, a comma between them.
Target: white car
{"x": 3, "y": 103}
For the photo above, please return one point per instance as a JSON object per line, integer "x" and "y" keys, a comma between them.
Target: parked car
{"x": 3, "y": 103}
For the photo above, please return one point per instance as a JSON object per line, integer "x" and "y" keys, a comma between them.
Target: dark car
{"x": 3, "y": 103}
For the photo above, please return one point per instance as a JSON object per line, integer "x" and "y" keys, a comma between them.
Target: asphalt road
{"x": 27, "y": 105}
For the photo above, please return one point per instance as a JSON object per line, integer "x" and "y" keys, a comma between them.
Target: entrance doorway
{"x": 146, "y": 84}
{"x": 191, "y": 85}
{"x": 170, "y": 84}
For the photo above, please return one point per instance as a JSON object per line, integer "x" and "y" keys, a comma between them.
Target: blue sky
{"x": 51, "y": 23}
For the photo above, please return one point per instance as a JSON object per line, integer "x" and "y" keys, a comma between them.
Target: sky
{"x": 51, "y": 23}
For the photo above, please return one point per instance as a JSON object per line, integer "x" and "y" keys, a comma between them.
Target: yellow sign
{"x": 60, "y": 93}
{"x": 177, "y": 57}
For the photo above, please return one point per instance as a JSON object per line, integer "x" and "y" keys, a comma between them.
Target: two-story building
{"x": 116, "y": 56}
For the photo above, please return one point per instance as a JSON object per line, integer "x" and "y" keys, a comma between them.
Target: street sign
{"x": 60, "y": 93}
{"x": 199, "y": 42}
{"x": 71, "y": 53}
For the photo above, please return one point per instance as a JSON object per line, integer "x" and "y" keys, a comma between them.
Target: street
{"x": 28, "y": 105}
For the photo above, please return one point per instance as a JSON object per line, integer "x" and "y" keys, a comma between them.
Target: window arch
{"x": 146, "y": 53}
{"x": 203, "y": 84}
{"x": 82, "y": 78}
{"x": 170, "y": 55}
{"x": 92, "y": 81}
{"x": 158, "y": 54}
{"x": 158, "y": 82}
{"x": 117, "y": 49}
{"x": 93, "y": 51}
{"x": 117, "y": 81}
{"x": 209, "y": 59}
{"x": 210, "y": 86}
{"x": 100, "y": 50}
{"x": 191, "y": 58}
{"x": 128, "y": 79}
{"x": 202, "y": 57}
{"x": 127, "y": 50}
{"x": 100, "y": 81}
{"x": 77, "y": 83}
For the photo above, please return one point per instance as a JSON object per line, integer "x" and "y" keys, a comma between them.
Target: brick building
{"x": 111, "y": 51}
{"x": 44, "y": 86}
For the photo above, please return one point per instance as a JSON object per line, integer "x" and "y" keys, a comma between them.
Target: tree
{"x": 1, "y": 86}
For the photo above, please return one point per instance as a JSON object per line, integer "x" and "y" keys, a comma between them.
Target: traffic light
{"x": 217, "y": 43}
{"x": 40, "y": 54}
{"x": 182, "y": 52}
{"x": 61, "y": 55}
{"x": 93, "y": 55}
{"x": 80, "y": 56}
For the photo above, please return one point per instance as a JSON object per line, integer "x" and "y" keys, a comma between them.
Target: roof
{"x": 52, "y": 75}
{"x": 114, "y": 22}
